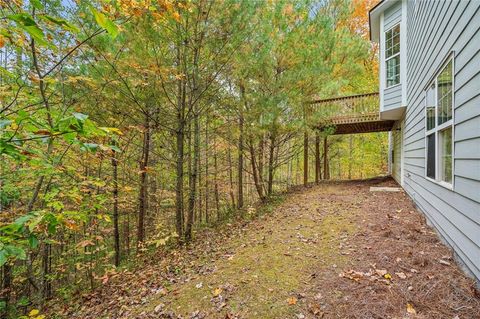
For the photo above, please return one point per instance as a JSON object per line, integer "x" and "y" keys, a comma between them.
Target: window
{"x": 392, "y": 55}
{"x": 439, "y": 122}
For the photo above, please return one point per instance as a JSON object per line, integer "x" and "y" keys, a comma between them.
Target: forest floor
{"x": 335, "y": 250}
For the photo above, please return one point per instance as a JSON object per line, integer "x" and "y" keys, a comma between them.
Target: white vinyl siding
{"x": 391, "y": 79}
{"x": 434, "y": 30}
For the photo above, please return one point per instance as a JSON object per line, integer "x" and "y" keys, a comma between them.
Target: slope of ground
{"x": 335, "y": 250}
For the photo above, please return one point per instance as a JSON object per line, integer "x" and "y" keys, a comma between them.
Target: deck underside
{"x": 365, "y": 123}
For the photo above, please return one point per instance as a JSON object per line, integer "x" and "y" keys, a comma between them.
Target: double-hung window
{"x": 392, "y": 55}
{"x": 439, "y": 126}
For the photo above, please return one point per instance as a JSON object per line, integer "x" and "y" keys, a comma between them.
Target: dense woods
{"x": 125, "y": 126}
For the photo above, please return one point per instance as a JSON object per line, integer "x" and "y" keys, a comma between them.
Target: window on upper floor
{"x": 392, "y": 55}
{"x": 439, "y": 126}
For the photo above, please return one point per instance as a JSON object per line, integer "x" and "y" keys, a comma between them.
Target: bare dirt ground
{"x": 335, "y": 250}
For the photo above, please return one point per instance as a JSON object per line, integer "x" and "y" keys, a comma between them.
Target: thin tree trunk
{"x": 215, "y": 177}
{"x": 6, "y": 289}
{"x": 116, "y": 232}
{"x": 46, "y": 263}
{"x": 270, "y": 164}
{"x": 230, "y": 177}
{"x": 179, "y": 176}
{"x": 46, "y": 104}
{"x": 261, "y": 157}
{"x": 193, "y": 190}
{"x": 297, "y": 165}
{"x": 326, "y": 173}
{"x": 194, "y": 199}
{"x": 317, "y": 158}
{"x": 255, "y": 172}
{"x": 305, "y": 158}
{"x": 126, "y": 233}
{"x": 180, "y": 132}
{"x": 143, "y": 193}
{"x": 289, "y": 169}
{"x": 179, "y": 181}
{"x": 240, "y": 164}
{"x": 198, "y": 209}
{"x": 206, "y": 173}
{"x": 190, "y": 163}
{"x": 350, "y": 156}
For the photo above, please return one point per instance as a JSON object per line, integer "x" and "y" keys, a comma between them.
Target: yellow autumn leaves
{"x": 33, "y": 314}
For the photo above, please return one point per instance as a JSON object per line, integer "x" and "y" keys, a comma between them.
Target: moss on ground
{"x": 270, "y": 264}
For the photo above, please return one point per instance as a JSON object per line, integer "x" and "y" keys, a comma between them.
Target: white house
{"x": 430, "y": 85}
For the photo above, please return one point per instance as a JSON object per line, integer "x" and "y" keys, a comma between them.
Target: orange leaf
{"x": 217, "y": 292}
{"x": 292, "y": 301}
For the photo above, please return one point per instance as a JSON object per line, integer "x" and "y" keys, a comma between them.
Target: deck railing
{"x": 347, "y": 109}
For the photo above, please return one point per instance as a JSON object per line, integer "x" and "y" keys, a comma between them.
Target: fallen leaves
{"x": 372, "y": 275}
{"x": 410, "y": 309}
{"x": 314, "y": 309}
{"x": 217, "y": 292}
{"x": 292, "y": 301}
{"x": 353, "y": 275}
{"x": 394, "y": 274}
{"x": 401, "y": 275}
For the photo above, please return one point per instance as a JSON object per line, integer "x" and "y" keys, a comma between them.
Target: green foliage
{"x": 80, "y": 111}
{"x": 105, "y": 23}
{"x": 25, "y": 22}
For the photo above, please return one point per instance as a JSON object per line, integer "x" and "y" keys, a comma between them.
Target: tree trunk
{"x": 255, "y": 172}
{"x": 143, "y": 193}
{"x": 326, "y": 173}
{"x": 6, "y": 289}
{"x": 317, "y": 159}
{"x": 206, "y": 173}
{"x": 289, "y": 170}
{"x": 215, "y": 177}
{"x": 193, "y": 190}
{"x": 116, "y": 232}
{"x": 261, "y": 157}
{"x": 230, "y": 177}
{"x": 240, "y": 164}
{"x": 179, "y": 172}
{"x": 179, "y": 181}
{"x": 271, "y": 154}
{"x": 305, "y": 158}
{"x": 190, "y": 163}
{"x": 46, "y": 265}
{"x": 350, "y": 156}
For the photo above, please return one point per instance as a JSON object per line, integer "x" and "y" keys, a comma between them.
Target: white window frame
{"x": 438, "y": 128}
{"x": 393, "y": 56}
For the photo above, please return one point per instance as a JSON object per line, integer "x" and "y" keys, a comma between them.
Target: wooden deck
{"x": 354, "y": 124}
{"x": 351, "y": 114}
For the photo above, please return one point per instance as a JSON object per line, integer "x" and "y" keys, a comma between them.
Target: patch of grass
{"x": 269, "y": 265}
